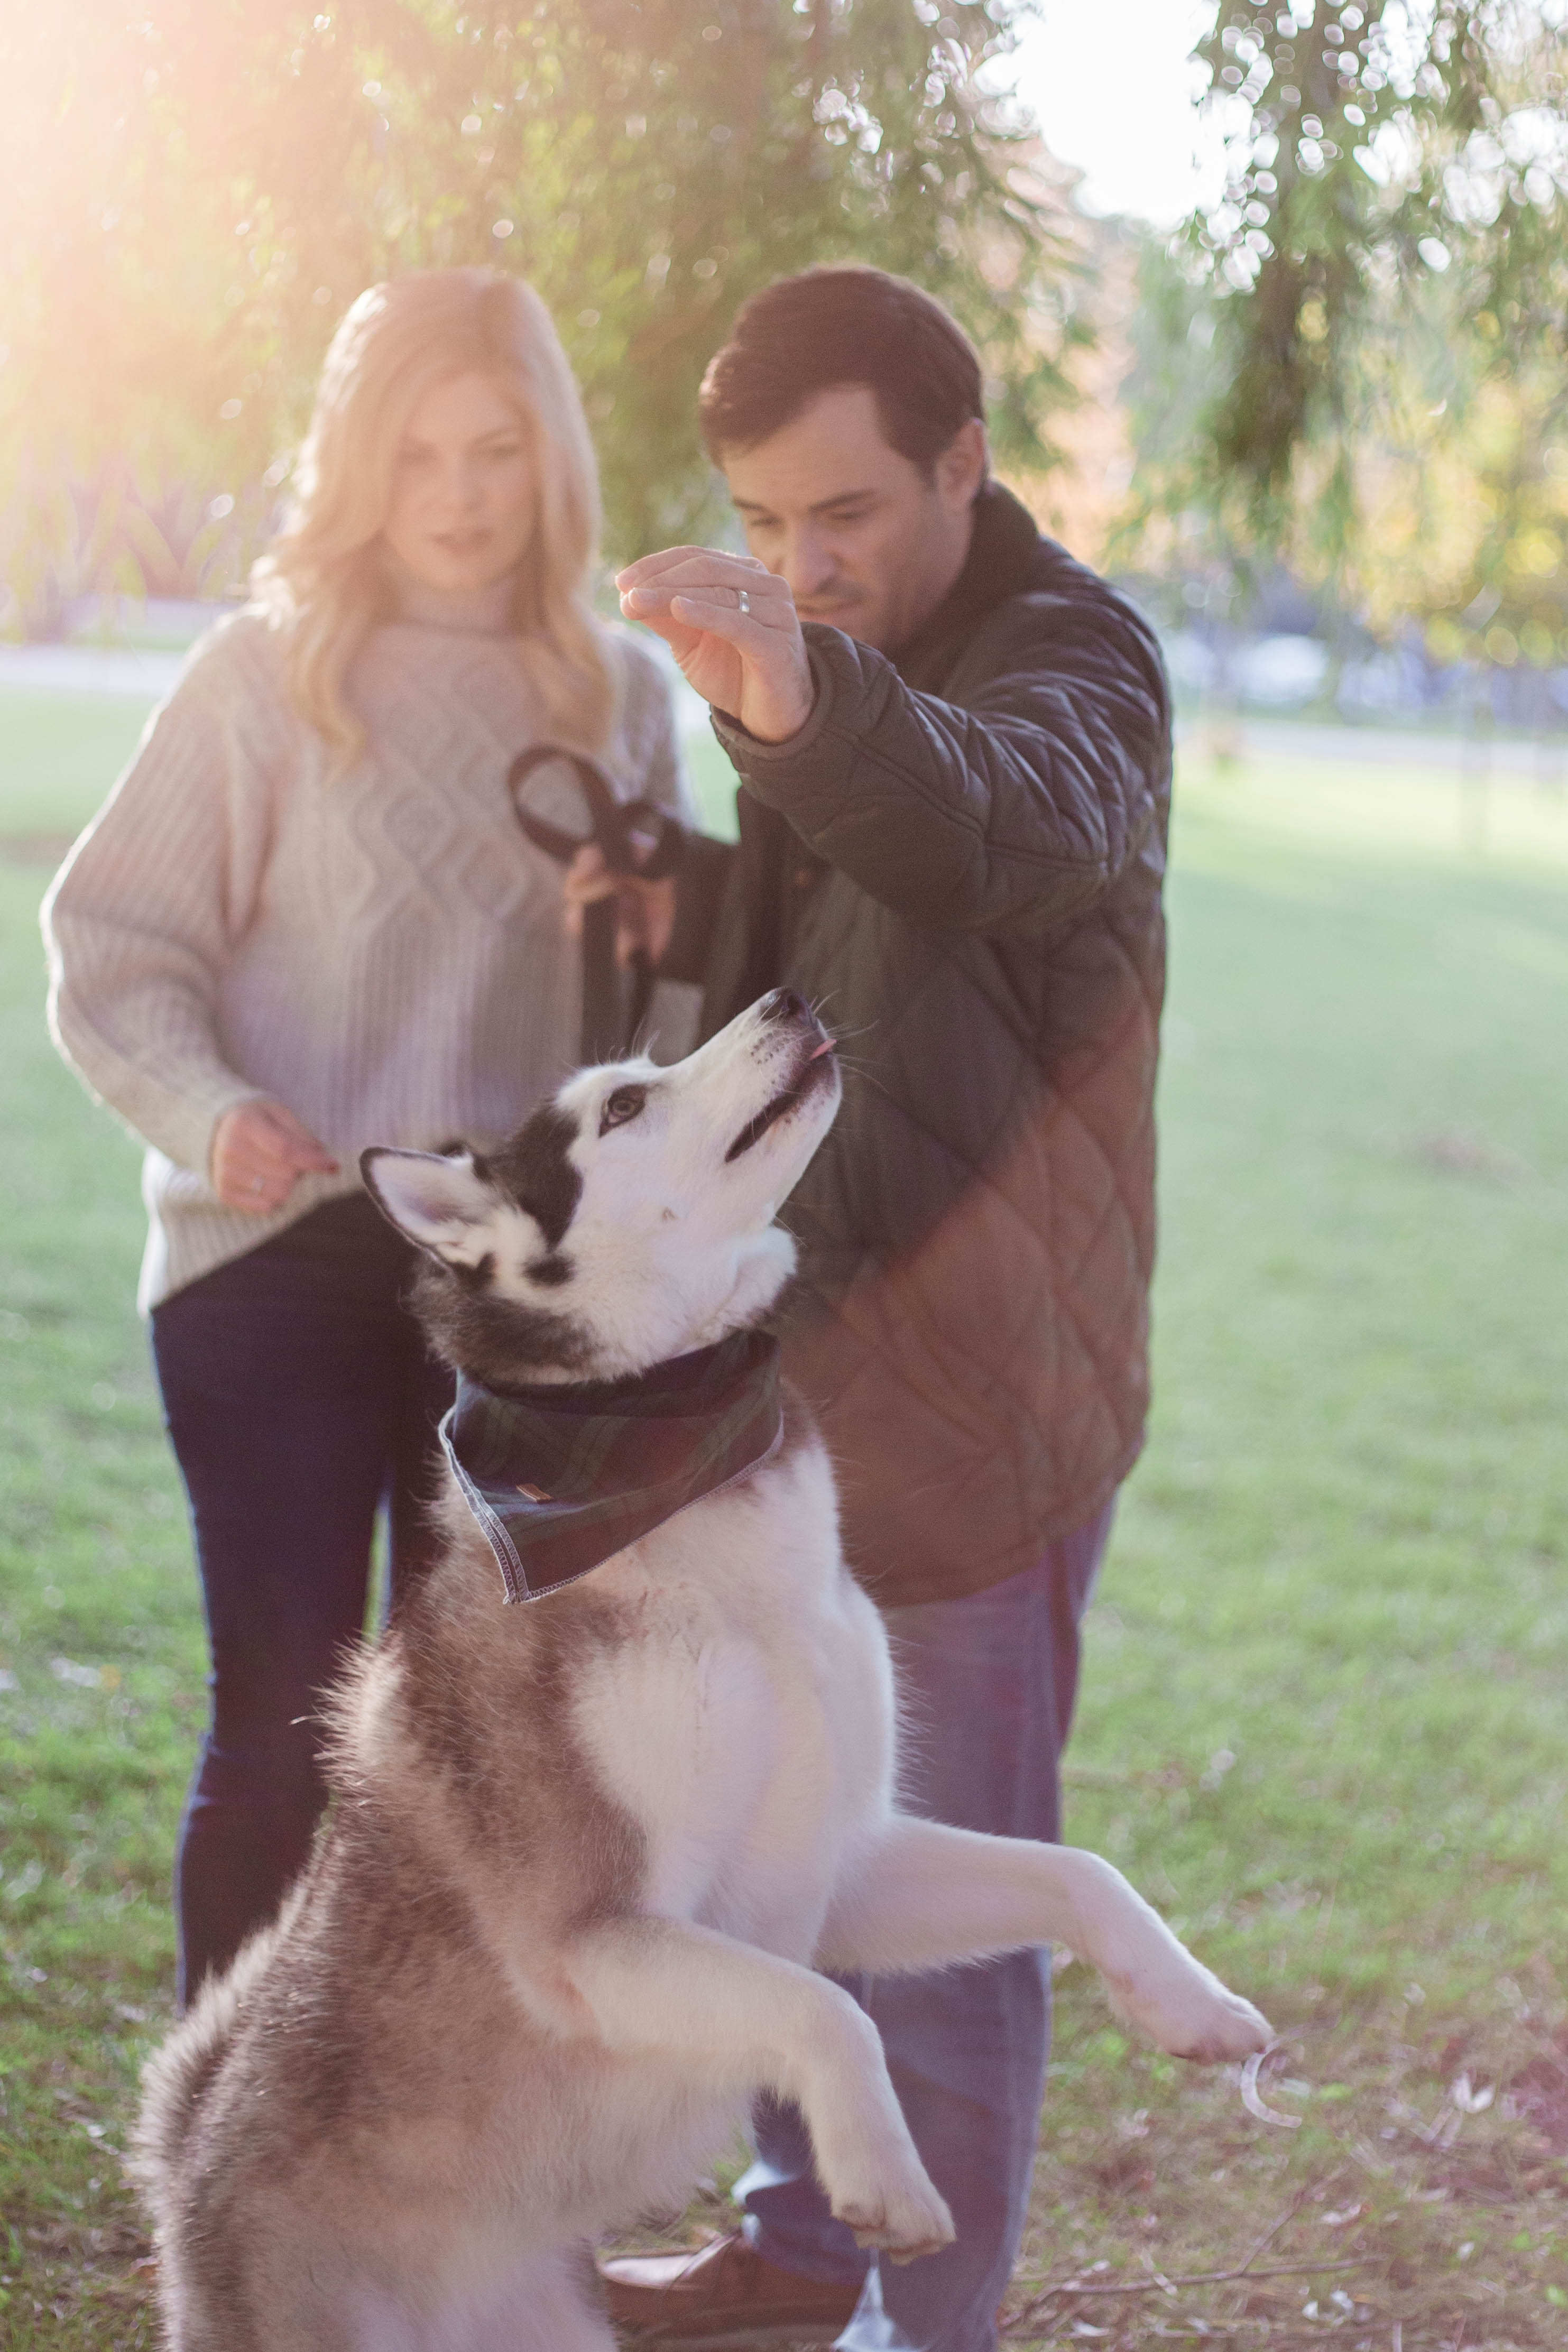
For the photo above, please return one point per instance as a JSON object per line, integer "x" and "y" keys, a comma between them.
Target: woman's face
{"x": 463, "y": 491}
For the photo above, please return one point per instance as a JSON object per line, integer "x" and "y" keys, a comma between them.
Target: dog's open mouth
{"x": 817, "y": 1064}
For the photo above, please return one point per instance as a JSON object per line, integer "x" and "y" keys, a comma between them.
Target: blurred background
{"x": 1273, "y": 305}
{"x": 1272, "y": 302}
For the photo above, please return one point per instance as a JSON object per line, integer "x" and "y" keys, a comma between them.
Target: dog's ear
{"x": 440, "y": 1202}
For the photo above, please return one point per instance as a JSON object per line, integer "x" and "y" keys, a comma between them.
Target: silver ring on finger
{"x": 746, "y": 601}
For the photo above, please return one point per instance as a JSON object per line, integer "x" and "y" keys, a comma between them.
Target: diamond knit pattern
{"x": 380, "y": 949}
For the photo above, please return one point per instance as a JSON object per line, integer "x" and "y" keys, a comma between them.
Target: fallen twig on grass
{"x": 1166, "y": 2285}
{"x": 1037, "y": 2308}
{"x": 1313, "y": 2193}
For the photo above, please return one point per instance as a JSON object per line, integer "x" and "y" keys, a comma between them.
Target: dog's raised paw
{"x": 903, "y": 2225}
{"x": 1202, "y": 2021}
{"x": 1232, "y": 2029}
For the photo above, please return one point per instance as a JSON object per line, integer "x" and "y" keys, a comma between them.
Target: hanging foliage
{"x": 195, "y": 189}
{"x": 1353, "y": 362}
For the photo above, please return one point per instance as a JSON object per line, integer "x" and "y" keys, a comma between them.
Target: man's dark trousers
{"x": 987, "y": 1684}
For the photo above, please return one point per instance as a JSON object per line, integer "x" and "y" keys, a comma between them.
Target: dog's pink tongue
{"x": 826, "y": 1047}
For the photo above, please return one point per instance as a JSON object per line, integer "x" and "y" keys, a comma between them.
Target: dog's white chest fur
{"x": 721, "y": 1726}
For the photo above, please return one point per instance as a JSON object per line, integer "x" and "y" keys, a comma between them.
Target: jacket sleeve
{"x": 1005, "y": 811}
{"x": 144, "y": 915}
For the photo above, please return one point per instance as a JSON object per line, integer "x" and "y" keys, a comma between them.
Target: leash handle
{"x": 633, "y": 836}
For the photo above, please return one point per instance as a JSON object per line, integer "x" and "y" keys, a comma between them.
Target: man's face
{"x": 866, "y": 542}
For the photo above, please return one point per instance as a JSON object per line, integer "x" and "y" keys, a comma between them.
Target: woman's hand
{"x": 731, "y": 625}
{"x": 644, "y": 911}
{"x": 258, "y": 1149}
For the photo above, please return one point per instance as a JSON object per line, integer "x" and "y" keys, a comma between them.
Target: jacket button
{"x": 805, "y": 876}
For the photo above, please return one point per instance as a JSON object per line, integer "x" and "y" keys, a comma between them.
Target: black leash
{"x": 633, "y": 837}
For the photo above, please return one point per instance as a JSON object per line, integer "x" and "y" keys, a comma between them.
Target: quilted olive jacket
{"x": 959, "y": 858}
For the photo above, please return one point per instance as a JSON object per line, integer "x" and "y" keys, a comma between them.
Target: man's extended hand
{"x": 733, "y": 627}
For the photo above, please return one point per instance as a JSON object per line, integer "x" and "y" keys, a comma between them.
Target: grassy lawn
{"x": 59, "y": 758}
{"x": 1323, "y": 1717}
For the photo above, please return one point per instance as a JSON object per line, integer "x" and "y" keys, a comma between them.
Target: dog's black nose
{"x": 783, "y": 1005}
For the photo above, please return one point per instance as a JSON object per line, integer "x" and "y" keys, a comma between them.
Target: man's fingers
{"x": 649, "y": 568}
{"x": 753, "y": 590}
{"x": 680, "y": 639}
{"x": 763, "y": 595}
{"x": 745, "y": 631}
{"x": 652, "y": 567}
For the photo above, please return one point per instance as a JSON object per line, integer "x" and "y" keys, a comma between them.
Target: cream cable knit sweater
{"x": 381, "y": 951}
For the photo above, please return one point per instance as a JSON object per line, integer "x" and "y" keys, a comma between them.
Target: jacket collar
{"x": 1004, "y": 552}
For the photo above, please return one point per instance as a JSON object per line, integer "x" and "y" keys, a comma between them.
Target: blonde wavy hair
{"x": 323, "y": 583}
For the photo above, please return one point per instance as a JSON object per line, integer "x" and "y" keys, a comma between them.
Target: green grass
{"x": 59, "y": 758}
{"x": 1323, "y": 1714}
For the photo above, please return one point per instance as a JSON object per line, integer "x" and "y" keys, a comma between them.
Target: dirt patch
{"x": 1459, "y": 1151}
{"x": 1538, "y": 2096}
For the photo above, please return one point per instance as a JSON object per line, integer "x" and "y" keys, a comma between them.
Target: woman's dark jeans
{"x": 301, "y": 1400}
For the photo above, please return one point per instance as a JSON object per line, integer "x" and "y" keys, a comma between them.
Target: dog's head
{"x": 631, "y": 1219}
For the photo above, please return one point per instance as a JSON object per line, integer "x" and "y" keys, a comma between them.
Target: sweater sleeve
{"x": 147, "y": 908}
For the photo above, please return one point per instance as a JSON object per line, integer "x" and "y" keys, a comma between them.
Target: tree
{"x": 1375, "y": 145}
{"x": 1435, "y": 491}
{"x": 1354, "y": 364}
{"x": 194, "y": 190}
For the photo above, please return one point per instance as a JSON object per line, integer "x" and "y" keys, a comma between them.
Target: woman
{"x": 307, "y": 921}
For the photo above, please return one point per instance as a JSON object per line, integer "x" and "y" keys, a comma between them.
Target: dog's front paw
{"x": 902, "y": 2218}
{"x": 1230, "y": 2028}
{"x": 1193, "y": 2017}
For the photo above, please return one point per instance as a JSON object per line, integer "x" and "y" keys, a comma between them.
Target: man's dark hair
{"x": 843, "y": 324}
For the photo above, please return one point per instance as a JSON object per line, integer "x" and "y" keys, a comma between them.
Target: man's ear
{"x": 438, "y": 1203}
{"x": 962, "y": 466}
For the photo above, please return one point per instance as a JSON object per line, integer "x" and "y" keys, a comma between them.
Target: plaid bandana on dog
{"x": 560, "y": 1479}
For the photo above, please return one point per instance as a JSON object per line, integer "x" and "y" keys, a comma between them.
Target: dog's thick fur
{"x": 585, "y": 1856}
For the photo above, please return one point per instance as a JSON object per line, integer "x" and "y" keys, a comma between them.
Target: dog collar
{"x": 560, "y": 1479}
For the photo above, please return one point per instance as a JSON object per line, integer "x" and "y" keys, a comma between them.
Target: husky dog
{"x": 586, "y": 1856}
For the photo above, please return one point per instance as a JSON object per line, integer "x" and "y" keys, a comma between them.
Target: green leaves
{"x": 194, "y": 192}
{"x": 1379, "y": 302}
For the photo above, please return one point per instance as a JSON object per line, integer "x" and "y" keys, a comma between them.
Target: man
{"x": 954, "y": 748}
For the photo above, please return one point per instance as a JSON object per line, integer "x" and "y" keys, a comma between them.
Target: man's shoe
{"x": 724, "y": 2298}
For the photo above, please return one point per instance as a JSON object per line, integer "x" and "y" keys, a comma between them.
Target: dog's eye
{"x": 624, "y": 1103}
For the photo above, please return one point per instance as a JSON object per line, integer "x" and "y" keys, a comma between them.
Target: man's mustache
{"x": 832, "y": 592}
